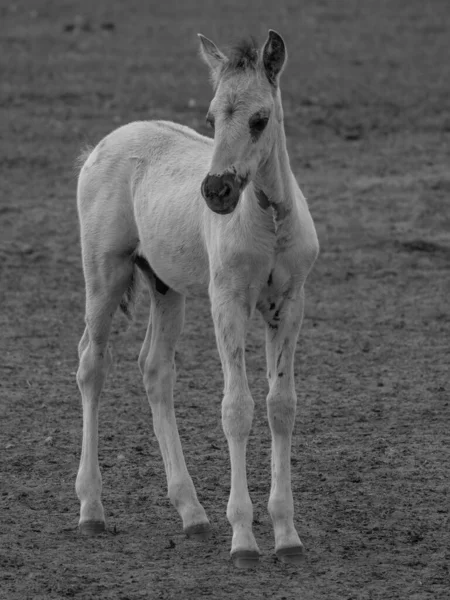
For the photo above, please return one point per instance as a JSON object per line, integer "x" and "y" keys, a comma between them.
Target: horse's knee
{"x": 281, "y": 411}
{"x": 237, "y": 415}
{"x": 83, "y": 343}
{"x": 93, "y": 368}
{"x": 158, "y": 376}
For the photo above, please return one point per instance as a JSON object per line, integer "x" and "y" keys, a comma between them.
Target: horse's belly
{"x": 179, "y": 260}
{"x": 168, "y": 214}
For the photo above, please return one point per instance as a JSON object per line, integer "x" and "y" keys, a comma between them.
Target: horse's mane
{"x": 83, "y": 156}
{"x": 243, "y": 56}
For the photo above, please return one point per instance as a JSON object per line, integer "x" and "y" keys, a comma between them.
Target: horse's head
{"x": 245, "y": 114}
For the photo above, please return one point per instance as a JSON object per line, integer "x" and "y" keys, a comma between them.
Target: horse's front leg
{"x": 230, "y": 322}
{"x": 283, "y": 322}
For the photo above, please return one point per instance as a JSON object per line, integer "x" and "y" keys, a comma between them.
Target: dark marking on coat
{"x": 272, "y": 306}
{"x": 236, "y": 355}
{"x": 280, "y": 211}
{"x": 230, "y": 109}
{"x": 160, "y": 286}
{"x": 280, "y": 374}
{"x": 263, "y": 200}
{"x": 144, "y": 266}
{"x": 265, "y": 203}
{"x": 279, "y": 358}
{"x": 261, "y": 307}
{"x": 269, "y": 281}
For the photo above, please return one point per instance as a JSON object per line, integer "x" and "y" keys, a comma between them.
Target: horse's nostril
{"x": 225, "y": 191}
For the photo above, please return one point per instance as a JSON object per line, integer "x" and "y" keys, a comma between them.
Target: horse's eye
{"x": 257, "y": 123}
{"x": 210, "y": 121}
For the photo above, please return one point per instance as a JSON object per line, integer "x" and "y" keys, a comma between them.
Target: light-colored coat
{"x": 140, "y": 205}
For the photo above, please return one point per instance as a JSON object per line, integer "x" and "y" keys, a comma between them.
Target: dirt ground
{"x": 366, "y": 96}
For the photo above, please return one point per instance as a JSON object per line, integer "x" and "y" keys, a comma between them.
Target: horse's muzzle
{"x": 222, "y": 192}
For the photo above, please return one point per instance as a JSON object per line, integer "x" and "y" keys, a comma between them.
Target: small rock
{"x": 121, "y": 456}
{"x": 353, "y": 132}
{"x": 82, "y": 23}
{"x": 48, "y": 441}
{"x": 26, "y": 249}
{"x": 9, "y": 446}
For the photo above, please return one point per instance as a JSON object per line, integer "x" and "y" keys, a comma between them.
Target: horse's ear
{"x": 211, "y": 54}
{"x": 274, "y": 56}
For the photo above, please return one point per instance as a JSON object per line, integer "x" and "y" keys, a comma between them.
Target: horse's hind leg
{"x": 107, "y": 278}
{"x": 156, "y": 362}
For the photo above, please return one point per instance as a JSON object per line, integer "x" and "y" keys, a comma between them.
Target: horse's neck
{"x": 274, "y": 177}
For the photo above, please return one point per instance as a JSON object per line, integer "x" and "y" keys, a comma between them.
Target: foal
{"x": 182, "y": 209}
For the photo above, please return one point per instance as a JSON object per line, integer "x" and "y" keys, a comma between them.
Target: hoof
{"x": 91, "y": 528}
{"x": 245, "y": 559}
{"x": 291, "y": 555}
{"x": 199, "y": 532}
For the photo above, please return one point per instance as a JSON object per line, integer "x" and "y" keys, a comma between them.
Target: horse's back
{"x": 127, "y": 153}
{"x": 140, "y": 188}
{"x": 169, "y": 207}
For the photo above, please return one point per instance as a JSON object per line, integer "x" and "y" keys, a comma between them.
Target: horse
{"x": 159, "y": 202}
